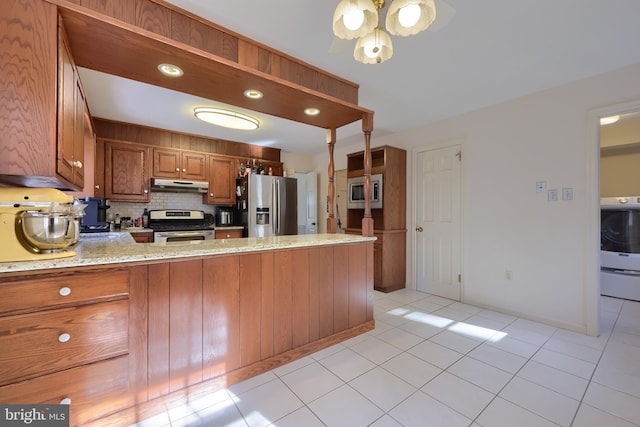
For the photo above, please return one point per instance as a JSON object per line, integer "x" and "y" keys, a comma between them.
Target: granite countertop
{"x": 119, "y": 247}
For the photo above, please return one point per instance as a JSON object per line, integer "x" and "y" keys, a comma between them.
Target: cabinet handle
{"x": 211, "y": 194}
{"x": 65, "y": 291}
{"x": 64, "y": 337}
{"x": 177, "y": 169}
{"x": 97, "y": 187}
{"x": 65, "y": 401}
{"x": 77, "y": 164}
{"x": 228, "y": 235}
{"x": 145, "y": 191}
{"x": 184, "y": 170}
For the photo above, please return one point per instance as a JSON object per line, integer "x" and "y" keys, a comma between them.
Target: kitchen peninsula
{"x": 125, "y": 329}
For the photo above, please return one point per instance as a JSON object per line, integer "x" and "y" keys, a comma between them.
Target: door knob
{"x": 419, "y": 229}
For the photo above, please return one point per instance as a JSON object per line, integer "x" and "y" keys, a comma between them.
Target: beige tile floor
{"x": 436, "y": 362}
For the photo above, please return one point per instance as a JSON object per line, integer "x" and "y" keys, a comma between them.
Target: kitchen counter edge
{"x": 117, "y": 248}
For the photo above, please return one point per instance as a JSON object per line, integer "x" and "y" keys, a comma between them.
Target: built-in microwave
{"x": 355, "y": 191}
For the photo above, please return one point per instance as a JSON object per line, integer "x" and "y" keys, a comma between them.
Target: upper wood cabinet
{"x": 179, "y": 164}
{"x": 126, "y": 173}
{"x": 222, "y": 182}
{"x": 71, "y": 115}
{"x": 42, "y": 110}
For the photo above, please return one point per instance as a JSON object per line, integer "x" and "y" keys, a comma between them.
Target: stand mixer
{"x": 37, "y": 224}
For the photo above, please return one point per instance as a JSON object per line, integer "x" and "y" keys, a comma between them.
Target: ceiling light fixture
{"x": 226, "y": 118}
{"x": 253, "y": 93}
{"x": 360, "y": 19}
{"x": 609, "y": 120}
{"x": 170, "y": 70}
{"x": 312, "y": 111}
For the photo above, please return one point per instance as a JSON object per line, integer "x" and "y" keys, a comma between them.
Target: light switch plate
{"x": 552, "y": 195}
{"x": 567, "y": 194}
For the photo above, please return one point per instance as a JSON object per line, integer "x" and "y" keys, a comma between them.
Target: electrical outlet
{"x": 552, "y": 195}
{"x": 508, "y": 275}
{"x": 541, "y": 186}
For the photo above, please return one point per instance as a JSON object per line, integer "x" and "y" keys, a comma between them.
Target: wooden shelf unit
{"x": 389, "y": 222}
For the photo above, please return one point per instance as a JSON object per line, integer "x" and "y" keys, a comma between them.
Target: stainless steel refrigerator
{"x": 272, "y": 206}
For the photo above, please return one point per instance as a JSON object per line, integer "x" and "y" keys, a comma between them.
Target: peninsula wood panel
{"x": 321, "y": 282}
{"x": 159, "y": 312}
{"x": 185, "y": 324}
{"x": 283, "y": 301}
{"x": 138, "y": 330}
{"x": 300, "y": 297}
{"x": 340, "y": 288}
{"x": 358, "y": 284}
{"x": 221, "y": 310}
{"x": 250, "y": 308}
{"x": 153, "y": 17}
{"x": 267, "y": 331}
{"x": 122, "y": 10}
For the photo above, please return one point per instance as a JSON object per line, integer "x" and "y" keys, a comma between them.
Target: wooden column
{"x": 367, "y": 221}
{"x": 331, "y": 193}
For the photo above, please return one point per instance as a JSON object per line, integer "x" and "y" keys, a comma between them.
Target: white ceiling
{"x": 479, "y": 53}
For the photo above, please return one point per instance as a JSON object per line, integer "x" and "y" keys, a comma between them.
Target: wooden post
{"x": 367, "y": 221}
{"x": 331, "y": 193}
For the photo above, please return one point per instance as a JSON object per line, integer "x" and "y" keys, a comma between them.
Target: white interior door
{"x": 438, "y": 214}
{"x": 307, "y": 202}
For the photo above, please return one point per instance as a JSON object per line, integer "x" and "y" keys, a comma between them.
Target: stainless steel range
{"x": 175, "y": 225}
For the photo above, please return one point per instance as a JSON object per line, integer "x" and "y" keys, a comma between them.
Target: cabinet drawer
{"x": 43, "y": 293}
{"x": 42, "y": 343}
{"x": 221, "y": 233}
{"x": 95, "y": 389}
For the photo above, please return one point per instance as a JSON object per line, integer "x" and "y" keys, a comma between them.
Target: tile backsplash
{"x": 159, "y": 200}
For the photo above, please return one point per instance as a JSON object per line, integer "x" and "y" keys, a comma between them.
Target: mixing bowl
{"x": 49, "y": 231}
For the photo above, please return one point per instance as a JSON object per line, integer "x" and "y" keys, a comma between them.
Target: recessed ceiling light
{"x": 609, "y": 120}
{"x": 170, "y": 70}
{"x": 253, "y": 93}
{"x": 311, "y": 111}
{"x": 226, "y": 118}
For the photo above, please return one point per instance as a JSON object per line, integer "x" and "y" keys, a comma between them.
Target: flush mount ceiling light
{"x": 226, "y": 118}
{"x": 253, "y": 93}
{"x": 170, "y": 70}
{"x": 312, "y": 111}
{"x": 360, "y": 19}
{"x": 609, "y": 120}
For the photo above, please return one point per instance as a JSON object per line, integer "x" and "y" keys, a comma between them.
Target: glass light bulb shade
{"x": 354, "y": 18}
{"x": 374, "y": 48}
{"x": 226, "y": 118}
{"x": 403, "y": 13}
{"x": 609, "y": 120}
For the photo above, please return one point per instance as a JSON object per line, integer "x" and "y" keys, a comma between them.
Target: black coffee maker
{"x": 95, "y": 215}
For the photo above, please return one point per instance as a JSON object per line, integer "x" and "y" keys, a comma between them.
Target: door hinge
{"x": 459, "y": 156}
{"x": 459, "y": 278}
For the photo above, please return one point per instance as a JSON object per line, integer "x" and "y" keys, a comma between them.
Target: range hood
{"x": 179, "y": 186}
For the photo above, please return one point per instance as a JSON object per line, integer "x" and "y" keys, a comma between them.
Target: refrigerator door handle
{"x": 275, "y": 195}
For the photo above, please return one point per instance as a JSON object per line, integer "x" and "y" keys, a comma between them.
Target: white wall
{"x": 551, "y": 247}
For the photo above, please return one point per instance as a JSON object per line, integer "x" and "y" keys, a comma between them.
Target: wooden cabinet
{"x": 71, "y": 115}
{"x": 222, "y": 233}
{"x": 179, "y": 164}
{"x": 78, "y": 337}
{"x": 222, "y": 181}
{"x": 126, "y": 172}
{"x": 389, "y": 222}
{"x": 143, "y": 237}
{"x": 43, "y": 107}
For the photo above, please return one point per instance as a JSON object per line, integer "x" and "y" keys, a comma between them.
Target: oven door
{"x": 183, "y": 236}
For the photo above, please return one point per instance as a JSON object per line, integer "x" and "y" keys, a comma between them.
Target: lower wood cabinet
{"x": 389, "y": 259}
{"x": 76, "y": 337}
